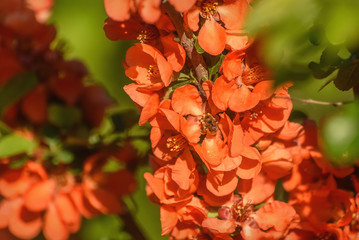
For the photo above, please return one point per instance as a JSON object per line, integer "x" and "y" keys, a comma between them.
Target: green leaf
{"x": 113, "y": 165}
{"x": 63, "y": 156}
{"x": 348, "y": 75}
{"x": 18, "y": 163}
{"x": 14, "y": 144}
{"x": 213, "y": 71}
{"x": 297, "y": 116}
{"x": 197, "y": 46}
{"x": 16, "y": 88}
{"x": 63, "y": 116}
{"x": 319, "y": 71}
{"x": 280, "y": 193}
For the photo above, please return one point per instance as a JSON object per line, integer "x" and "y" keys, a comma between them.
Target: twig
{"x": 186, "y": 40}
{"x": 311, "y": 101}
{"x": 356, "y": 91}
{"x": 130, "y": 225}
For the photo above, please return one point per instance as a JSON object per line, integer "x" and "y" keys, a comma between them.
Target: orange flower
{"x": 212, "y": 37}
{"x": 272, "y": 221}
{"x": 268, "y": 116}
{"x": 174, "y": 184}
{"x": 101, "y": 188}
{"x": 148, "y": 101}
{"x": 329, "y": 209}
{"x": 166, "y": 139}
{"x": 52, "y": 195}
{"x": 187, "y": 216}
{"x": 147, "y": 66}
{"x": 256, "y": 190}
{"x": 277, "y": 161}
{"x": 30, "y": 192}
{"x": 159, "y": 36}
{"x": 120, "y": 10}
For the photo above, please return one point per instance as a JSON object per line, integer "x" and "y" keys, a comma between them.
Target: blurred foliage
{"x": 340, "y": 134}
{"x": 309, "y": 40}
{"x": 306, "y": 38}
{"x": 16, "y": 88}
{"x": 80, "y": 28}
{"x": 106, "y": 227}
{"x": 13, "y": 144}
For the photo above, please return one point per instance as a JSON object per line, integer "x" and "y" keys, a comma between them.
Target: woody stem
{"x": 186, "y": 40}
{"x": 130, "y": 225}
{"x": 356, "y": 91}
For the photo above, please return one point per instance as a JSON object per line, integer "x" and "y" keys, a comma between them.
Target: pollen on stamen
{"x": 176, "y": 143}
{"x": 153, "y": 71}
{"x": 254, "y": 115}
{"x": 209, "y": 8}
{"x": 149, "y": 33}
{"x": 240, "y": 211}
{"x": 253, "y": 75}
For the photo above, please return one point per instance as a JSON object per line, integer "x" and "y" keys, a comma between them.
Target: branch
{"x": 311, "y": 101}
{"x": 356, "y": 91}
{"x": 130, "y": 225}
{"x": 186, "y": 40}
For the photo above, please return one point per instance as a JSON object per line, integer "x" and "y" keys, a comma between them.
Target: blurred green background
{"x": 79, "y": 24}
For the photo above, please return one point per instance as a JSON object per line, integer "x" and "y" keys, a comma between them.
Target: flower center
{"x": 253, "y": 75}
{"x": 241, "y": 212}
{"x": 153, "y": 72}
{"x": 254, "y": 115}
{"x": 149, "y": 33}
{"x": 176, "y": 143}
{"x": 208, "y": 124}
{"x": 209, "y": 8}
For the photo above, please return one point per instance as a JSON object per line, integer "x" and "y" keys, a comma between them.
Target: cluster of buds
{"x": 227, "y": 162}
{"x": 55, "y": 168}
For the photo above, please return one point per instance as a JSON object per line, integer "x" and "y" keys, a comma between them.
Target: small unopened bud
{"x": 225, "y": 213}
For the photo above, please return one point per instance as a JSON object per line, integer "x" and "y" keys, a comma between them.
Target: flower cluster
{"x": 51, "y": 173}
{"x": 227, "y": 162}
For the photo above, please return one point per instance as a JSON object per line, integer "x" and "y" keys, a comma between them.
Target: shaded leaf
{"x": 16, "y": 88}
{"x": 348, "y": 75}
{"x": 63, "y": 116}
{"x": 213, "y": 71}
{"x": 63, "y": 157}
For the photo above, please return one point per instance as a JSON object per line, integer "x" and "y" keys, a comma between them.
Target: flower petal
{"x": 212, "y": 37}
{"x": 118, "y": 10}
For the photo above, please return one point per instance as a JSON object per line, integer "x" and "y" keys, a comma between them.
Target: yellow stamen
{"x": 176, "y": 143}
